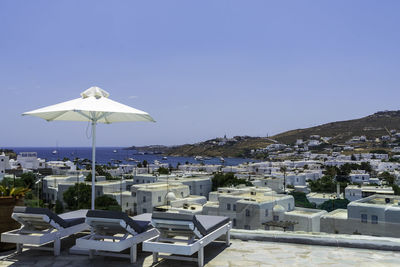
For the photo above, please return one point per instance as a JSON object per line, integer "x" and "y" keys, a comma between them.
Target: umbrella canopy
{"x": 94, "y": 106}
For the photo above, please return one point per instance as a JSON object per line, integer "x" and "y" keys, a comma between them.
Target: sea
{"x": 105, "y": 155}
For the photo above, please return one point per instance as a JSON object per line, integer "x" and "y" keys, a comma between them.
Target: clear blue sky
{"x": 201, "y": 68}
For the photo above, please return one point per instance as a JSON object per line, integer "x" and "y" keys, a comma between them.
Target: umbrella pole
{"x": 93, "y": 161}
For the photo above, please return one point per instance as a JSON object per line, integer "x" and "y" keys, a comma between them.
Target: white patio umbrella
{"x": 94, "y": 106}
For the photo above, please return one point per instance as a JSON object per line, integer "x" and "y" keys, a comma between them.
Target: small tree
{"x": 227, "y": 179}
{"x": 28, "y": 179}
{"x": 284, "y": 169}
{"x": 78, "y": 196}
{"x": 163, "y": 170}
{"x": 145, "y": 163}
{"x": 389, "y": 178}
{"x": 333, "y": 204}
{"x": 59, "y": 207}
{"x": 300, "y": 200}
{"x": 106, "y": 202}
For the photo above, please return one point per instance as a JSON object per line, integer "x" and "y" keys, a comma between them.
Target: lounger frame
{"x": 112, "y": 245}
{"x": 25, "y": 237}
{"x": 164, "y": 244}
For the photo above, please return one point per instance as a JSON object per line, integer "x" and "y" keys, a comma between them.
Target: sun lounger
{"x": 114, "y": 232}
{"x": 40, "y": 226}
{"x": 185, "y": 234}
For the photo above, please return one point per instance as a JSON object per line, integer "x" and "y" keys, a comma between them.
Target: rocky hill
{"x": 238, "y": 146}
{"x": 375, "y": 125}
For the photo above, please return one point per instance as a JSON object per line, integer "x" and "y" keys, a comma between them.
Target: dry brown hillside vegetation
{"x": 372, "y": 126}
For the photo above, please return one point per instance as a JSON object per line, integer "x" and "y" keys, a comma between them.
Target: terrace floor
{"x": 240, "y": 253}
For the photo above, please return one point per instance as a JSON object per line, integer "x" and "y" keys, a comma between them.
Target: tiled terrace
{"x": 240, "y": 253}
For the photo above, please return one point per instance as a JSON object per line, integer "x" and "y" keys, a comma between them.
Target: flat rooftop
{"x": 338, "y": 213}
{"x": 158, "y": 186}
{"x": 239, "y": 253}
{"x": 322, "y": 195}
{"x": 304, "y": 211}
{"x": 381, "y": 201}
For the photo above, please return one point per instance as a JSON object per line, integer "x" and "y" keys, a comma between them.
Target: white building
{"x": 355, "y": 192}
{"x": 60, "y": 167}
{"x": 307, "y": 220}
{"x": 250, "y": 207}
{"x": 274, "y": 183}
{"x": 148, "y": 196}
{"x": 51, "y": 186}
{"x": 198, "y": 185}
{"x": 188, "y": 168}
{"x": 4, "y": 165}
{"x": 319, "y": 198}
{"x": 359, "y": 176}
{"x": 312, "y": 143}
{"x": 377, "y": 215}
{"x": 29, "y": 160}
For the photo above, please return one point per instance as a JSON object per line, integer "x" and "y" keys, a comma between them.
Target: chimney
{"x": 337, "y": 190}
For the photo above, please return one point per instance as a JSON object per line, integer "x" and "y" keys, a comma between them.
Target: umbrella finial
{"x": 94, "y": 91}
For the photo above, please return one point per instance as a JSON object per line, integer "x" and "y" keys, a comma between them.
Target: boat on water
{"x": 221, "y": 159}
{"x": 164, "y": 158}
{"x": 130, "y": 159}
{"x": 115, "y": 151}
{"x": 200, "y": 158}
{"x": 54, "y": 152}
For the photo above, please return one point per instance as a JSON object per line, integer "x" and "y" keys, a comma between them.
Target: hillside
{"x": 238, "y": 146}
{"x": 371, "y": 126}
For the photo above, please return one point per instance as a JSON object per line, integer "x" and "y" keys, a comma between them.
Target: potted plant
{"x": 9, "y": 198}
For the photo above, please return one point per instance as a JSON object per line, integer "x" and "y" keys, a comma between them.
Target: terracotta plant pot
{"x": 7, "y": 205}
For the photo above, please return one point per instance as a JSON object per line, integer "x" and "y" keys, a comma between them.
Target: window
{"x": 247, "y": 213}
{"x": 144, "y": 210}
{"x": 127, "y": 204}
{"x": 374, "y": 219}
{"x": 234, "y": 207}
{"x": 134, "y": 194}
{"x": 159, "y": 199}
{"x": 276, "y": 218}
{"x": 247, "y": 227}
{"x": 364, "y": 218}
{"x": 228, "y": 206}
{"x": 144, "y": 198}
{"x": 234, "y": 222}
{"x": 182, "y": 194}
{"x": 289, "y": 206}
{"x": 201, "y": 186}
{"x": 266, "y": 213}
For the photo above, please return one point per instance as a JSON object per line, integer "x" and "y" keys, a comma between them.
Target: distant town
{"x": 308, "y": 186}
